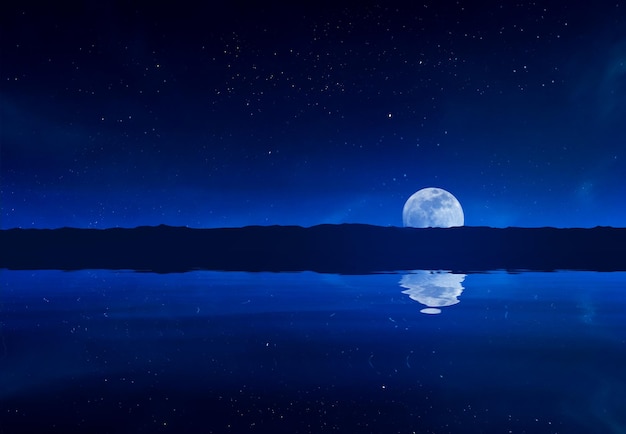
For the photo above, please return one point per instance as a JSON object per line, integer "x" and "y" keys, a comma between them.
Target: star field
{"x": 227, "y": 115}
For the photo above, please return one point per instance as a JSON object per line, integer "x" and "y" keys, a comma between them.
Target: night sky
{"x": 127, "y": 114}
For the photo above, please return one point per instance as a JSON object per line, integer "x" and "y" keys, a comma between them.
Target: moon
{"x": 432, "y": 207}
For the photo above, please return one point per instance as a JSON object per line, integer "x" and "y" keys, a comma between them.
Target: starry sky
{"x": 300, "y": 113}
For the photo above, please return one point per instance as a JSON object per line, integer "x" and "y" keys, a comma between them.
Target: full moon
{"x": 432, "y": 207}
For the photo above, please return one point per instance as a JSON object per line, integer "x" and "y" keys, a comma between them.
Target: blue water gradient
{"x": 118, "y": 351}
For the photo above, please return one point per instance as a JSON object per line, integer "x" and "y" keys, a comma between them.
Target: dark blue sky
{"x": 119, "y": 114}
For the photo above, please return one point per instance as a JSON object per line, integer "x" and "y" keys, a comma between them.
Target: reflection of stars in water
{"x": 588, "y": 311}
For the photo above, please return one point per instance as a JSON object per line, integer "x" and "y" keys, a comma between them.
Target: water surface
{"x": 118, "y": 351}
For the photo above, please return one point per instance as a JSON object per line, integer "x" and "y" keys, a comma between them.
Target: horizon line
{"x": 164, "y": 225}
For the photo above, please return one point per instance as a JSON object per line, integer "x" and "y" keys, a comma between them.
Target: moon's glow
{"x": 432, "y": 207}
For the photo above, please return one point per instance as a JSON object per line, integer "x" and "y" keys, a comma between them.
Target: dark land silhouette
{"x": 346, "y": 248}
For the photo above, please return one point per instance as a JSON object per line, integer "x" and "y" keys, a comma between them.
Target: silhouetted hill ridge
{"x": 344, "y": 248}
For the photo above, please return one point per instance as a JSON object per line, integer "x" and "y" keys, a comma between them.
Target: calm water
{"x": 110, "y": 351}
